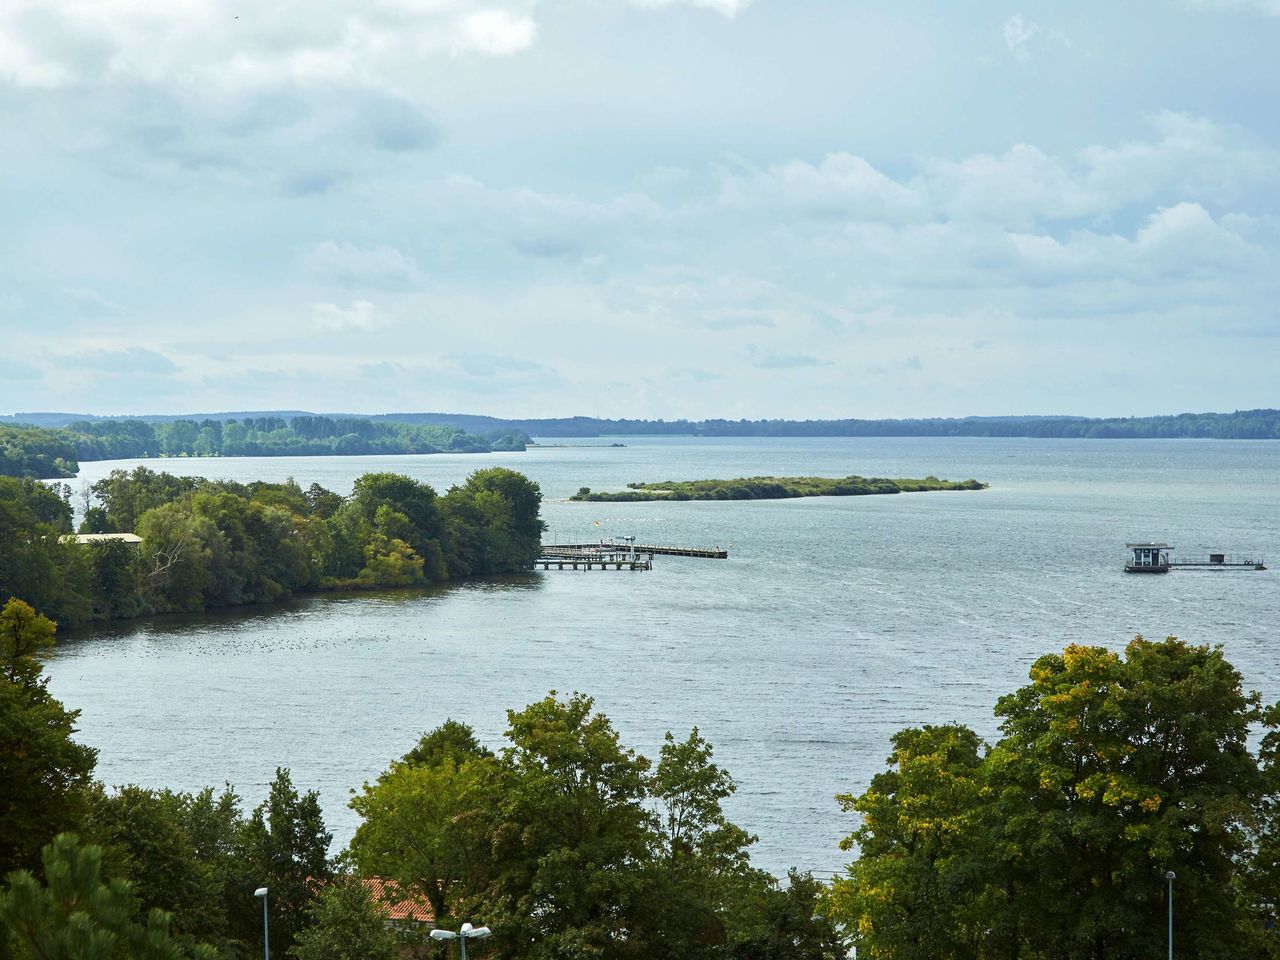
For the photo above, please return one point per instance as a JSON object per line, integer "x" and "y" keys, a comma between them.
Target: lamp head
{"x": 260, "y": 892}
{"x": 442, "y": 934}
{"x": 477, "y": 933}
{"x": 1170, "y": 875}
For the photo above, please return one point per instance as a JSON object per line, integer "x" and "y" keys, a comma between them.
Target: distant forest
{"x": 1240, "y": 425}
{"x": 30, "y": 451}
{"x": 48, "y": 445}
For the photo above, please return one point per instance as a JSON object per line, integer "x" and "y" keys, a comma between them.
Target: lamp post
{"x": 266, "y": 942}
{"x": 1170, "y": 878}
{"x": 468, "y": 932}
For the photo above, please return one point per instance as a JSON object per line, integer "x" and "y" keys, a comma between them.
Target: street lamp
{"x": 1170, "y": 878}
{"x": 468, "y": 932}
{"x": 266, "y": 943}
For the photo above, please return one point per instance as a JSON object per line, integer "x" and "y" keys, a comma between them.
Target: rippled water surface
{"x": 835, "y": 622}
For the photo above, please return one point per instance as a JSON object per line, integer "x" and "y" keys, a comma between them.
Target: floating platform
{"x": 1155, "y": 558}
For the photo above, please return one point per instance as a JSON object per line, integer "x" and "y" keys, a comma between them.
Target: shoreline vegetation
{"x": 210, "y": 544}
{"x": 1044, "y": 843}
{"x": 55, "y": 453}
{"x": 772, "y": 488}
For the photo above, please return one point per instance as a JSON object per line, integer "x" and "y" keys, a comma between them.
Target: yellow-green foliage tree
{"x": 1112, "y": 769}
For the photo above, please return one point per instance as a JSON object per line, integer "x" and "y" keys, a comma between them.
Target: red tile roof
{"x": 399, "y": 904}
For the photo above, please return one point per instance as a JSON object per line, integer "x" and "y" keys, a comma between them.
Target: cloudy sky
{"x": 662, "y": 208}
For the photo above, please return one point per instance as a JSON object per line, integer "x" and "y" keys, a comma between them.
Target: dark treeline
{"x": 209, "y": 543}
{"x": 53, "y": 453}
{"x": 1261, "y": 424}
{"x": 1051, "y": 844}
{"x": 1240, "y": 425}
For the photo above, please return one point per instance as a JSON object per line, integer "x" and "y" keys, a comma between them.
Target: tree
{"x": 574, "y": 837}
{"x": 177, "y": 557}
{"x": 286, "y": 845}
{"x": 79, "y": 915}
{"x": 770, "y": 922}
{"x": 427, "y": 820}
{"x": 115, "y": 574}
{"x": 45, "y": 773}
{"x": 452, "y": 740}
{"x": 1111, "y": 769}
{"x": 147, "y": 838}
{"x": 916, "y": 889}
{"x": 343, "y": 923}
{"x": 25, "y": 636}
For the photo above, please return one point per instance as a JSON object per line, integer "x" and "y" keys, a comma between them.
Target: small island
{"x": 772, "y": 488}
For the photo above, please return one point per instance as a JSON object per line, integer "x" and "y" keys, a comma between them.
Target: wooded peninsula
{"x": 772, "y": 488}
{"x": 51, "y": 454}
{"x": 219, "y": 543}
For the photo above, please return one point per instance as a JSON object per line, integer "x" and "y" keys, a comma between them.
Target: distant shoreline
{"x": 1255, "y": 424}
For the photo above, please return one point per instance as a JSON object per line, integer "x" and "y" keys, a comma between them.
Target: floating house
{"x": 1154, "y": 558}
{"x": 1148, "y": 558}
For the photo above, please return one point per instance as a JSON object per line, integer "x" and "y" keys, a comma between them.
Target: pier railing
{"x": 1220, "y": 560}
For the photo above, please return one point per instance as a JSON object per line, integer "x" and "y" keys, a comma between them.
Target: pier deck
{"x": 605, "y": 546}
{"x": 561, "y": 558}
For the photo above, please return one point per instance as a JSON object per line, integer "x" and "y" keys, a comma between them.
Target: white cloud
{"x": 729, "y": 8}
{"x": 841, "y": 185}
{"x": 494, "y": 32}
{"x": 206, "y": 45}
{"x": 345, "y": 263}
{"x": 1017, "y": 33}
{"x": 1020, "y": 37}
{"x": 359, "y": 316}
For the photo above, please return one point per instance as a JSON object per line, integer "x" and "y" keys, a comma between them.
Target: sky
{"x": 640, "y": 208}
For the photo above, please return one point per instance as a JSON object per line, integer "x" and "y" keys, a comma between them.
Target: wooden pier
{"x": 566, "y": 559}
{"x": 613, "y": 545}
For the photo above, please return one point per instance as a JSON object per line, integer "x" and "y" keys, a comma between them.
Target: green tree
{"x": 574, "y": 837}
{"x": 772, "y": 922}
{"x": 286, "y": 845}
{"x": 176, "y": 561}
{"x": 426, "y": 823}
{"x": 452, "y": 740}
{"x": 919, "y": 886}
{"x": 79, "y": 915}
{"x": 152, "y": 839}
{"x": 126, "y": 495}
{"x": 343, "y": 923}
{"x": 1111, "y": 770}
{"x": 45, "y": 773}
{"x": 115, "y": 580}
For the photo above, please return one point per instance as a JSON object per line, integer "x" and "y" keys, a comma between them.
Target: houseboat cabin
{"x": 1148, "y": 558}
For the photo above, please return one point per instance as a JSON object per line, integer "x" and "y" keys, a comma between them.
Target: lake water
{"x": 835, "y": 622}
